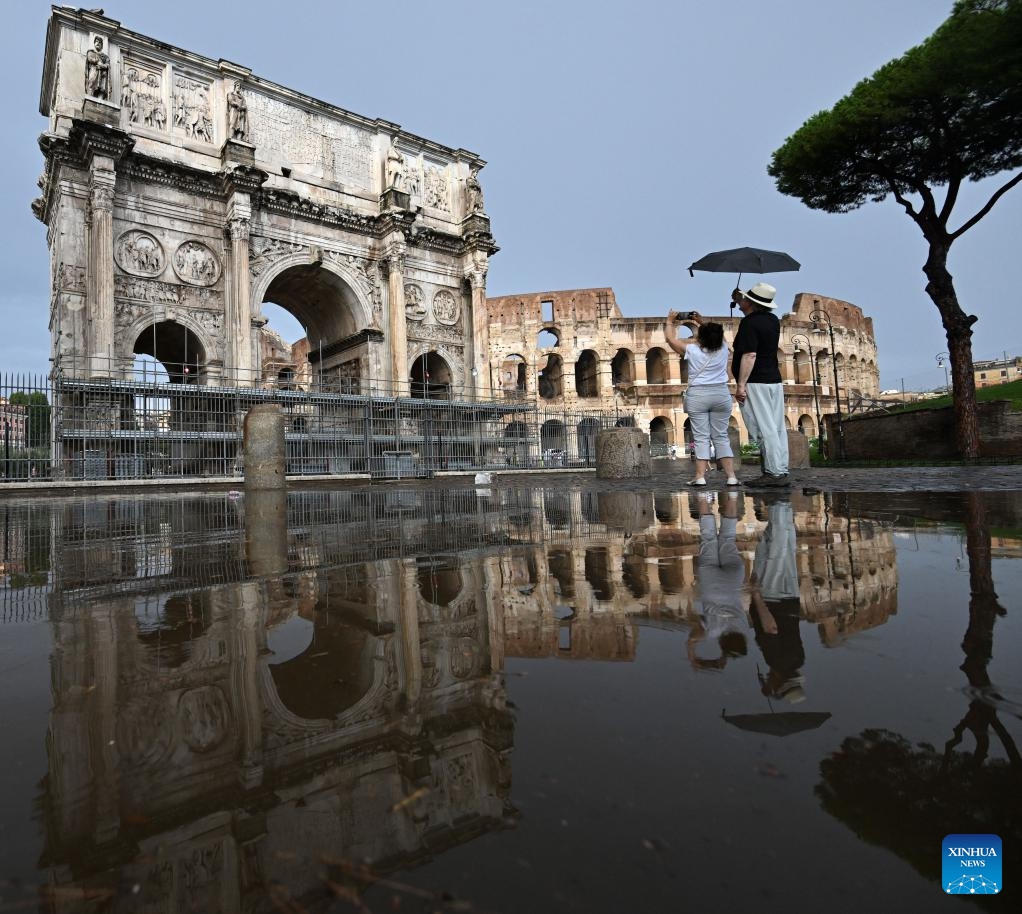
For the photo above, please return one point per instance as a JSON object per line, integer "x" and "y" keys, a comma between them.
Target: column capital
{"x": 239, "y": 229}
{"x": 477, "y": 278}
{"x": 102, "y": 183}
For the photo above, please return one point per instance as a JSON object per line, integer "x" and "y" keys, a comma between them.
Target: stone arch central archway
{"x": 337, "y": 304}
{"x": 325, "y": 305}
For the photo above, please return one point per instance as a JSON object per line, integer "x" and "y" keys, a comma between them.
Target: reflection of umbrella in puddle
{"x": 781, "y": 723}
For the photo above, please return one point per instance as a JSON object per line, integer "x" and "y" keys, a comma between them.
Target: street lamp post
{"x": 797, "y": 340}
{"x": 816, "y": 316}
{"x": 942, "y": 359}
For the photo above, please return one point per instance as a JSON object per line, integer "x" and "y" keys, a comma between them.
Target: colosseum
{"x": 575, "y": 354}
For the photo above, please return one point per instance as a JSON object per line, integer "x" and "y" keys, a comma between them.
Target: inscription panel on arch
{"x": 293, "y": 136}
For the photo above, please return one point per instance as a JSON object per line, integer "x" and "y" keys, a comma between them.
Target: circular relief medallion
{"x": 140, "y": 254}
{"x": 465, "y": 658}
{"x": 204, "y": 718}
{"x": 445, "y": 307}
{"x": 196, "y": 264}
{"x": 415, "y": 310}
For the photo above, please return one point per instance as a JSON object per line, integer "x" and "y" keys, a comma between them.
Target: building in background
{"x": 992, "y": 372}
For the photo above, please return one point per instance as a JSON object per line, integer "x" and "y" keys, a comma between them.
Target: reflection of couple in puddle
{"x": 774, "y": 603}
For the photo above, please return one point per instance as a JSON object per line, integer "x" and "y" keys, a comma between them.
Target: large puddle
{"x": 445, "y": 699}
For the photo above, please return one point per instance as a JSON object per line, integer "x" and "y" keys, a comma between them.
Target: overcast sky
{"x": 623, "y": 142}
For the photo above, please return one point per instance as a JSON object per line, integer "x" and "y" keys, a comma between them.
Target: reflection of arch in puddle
{"x": 331, "y": 674}
{"x": 169, "y": 627}
{"x": 672, "y": 576}
{"x": 562, "y": 571}
{"x": 597, "y": 562}
{"x": 439, "y": 579}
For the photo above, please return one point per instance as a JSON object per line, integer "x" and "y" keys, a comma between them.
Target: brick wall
{"x": 929, "y": 433}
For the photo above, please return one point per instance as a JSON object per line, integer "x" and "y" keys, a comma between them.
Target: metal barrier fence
{"x": 144, "y": 426}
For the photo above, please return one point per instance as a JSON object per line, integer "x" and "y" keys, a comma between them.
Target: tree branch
{"x": 1000, "y": 192}
{"x": 953, "y": 186}
{"x": 904, "y": 201}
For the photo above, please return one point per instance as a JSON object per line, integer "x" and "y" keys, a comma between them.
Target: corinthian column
{"x": 101, "y": 267}
{"x": 398, "y": 324}
{"x": 480, "y": 339}
{"x": 238, "y": 323}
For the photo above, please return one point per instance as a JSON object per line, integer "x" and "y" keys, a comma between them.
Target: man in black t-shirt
{"x": 760, "y": 392}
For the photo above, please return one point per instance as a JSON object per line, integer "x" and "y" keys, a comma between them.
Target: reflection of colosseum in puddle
{"x": 581, "y": 595}
{"x": 216, "y": 730}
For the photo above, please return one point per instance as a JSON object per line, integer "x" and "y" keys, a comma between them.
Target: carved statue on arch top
{"x": 474, "y": 191}
{"x": 237, "y": 114}
{"x": 395, "y": 168}
{"x": 97, "y": 71}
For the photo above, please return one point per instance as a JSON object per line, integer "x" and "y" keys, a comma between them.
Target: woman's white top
{"x": 706, "y": 367}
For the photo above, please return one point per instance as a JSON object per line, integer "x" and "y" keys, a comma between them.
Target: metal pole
{"x": 942, "y": 359}
{"x": 812, "y": 370}
{"x": 816, "y": 316}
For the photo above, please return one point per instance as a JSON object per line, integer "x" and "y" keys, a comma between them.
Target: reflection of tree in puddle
{"x": 908, "y": 798}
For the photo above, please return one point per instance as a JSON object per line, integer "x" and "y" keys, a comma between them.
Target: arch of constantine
{"x": 180, "y": 193}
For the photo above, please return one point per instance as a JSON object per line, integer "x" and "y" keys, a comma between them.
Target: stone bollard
{"x": 264, "y": 447}
{"x": 623, "y": 453}
{"x": 798, "y": 451}
{"x": 629, "y": 511}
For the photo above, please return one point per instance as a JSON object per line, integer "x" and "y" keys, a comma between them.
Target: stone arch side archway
{"x": 128, "y": 337}
{"x": 454, "y": 365}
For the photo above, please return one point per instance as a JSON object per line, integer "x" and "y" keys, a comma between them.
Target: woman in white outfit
{"x": 708, "y": 400}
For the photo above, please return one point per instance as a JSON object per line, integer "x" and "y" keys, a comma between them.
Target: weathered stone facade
{"x": 575, "y": 350}
{"x": 180, "y": 193}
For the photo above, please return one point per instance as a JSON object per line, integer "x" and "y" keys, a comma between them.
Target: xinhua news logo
{"x": 972, "y": 865}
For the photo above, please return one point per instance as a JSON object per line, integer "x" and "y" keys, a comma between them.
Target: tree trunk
{"x": 958, "y": 327}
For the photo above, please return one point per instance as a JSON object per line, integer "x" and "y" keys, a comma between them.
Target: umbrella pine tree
{"x": 945, "y": 112}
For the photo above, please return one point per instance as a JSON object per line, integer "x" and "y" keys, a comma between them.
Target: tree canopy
{"x": 946, "y": 111}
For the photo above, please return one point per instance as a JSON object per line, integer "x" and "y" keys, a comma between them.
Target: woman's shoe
{"x": 733, "y": 481}
{"x": 698, "y": 481}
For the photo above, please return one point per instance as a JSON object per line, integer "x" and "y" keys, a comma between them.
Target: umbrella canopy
{"x": 745, "y": 260}
{"x": 784, "y": 723}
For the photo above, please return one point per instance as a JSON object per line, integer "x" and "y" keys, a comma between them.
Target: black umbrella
{"x": 745, "y": 260}
{"x": 783, "y": 723}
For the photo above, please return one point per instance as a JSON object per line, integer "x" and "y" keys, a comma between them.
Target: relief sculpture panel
{"x": 265, "y": 251}
{"x": 139, "y": 253}
{"x": 415, "y": 310}
{"x": 196, "y": 264}
{"x": 142, "y": 94}
{"x": 193, "y": 115}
